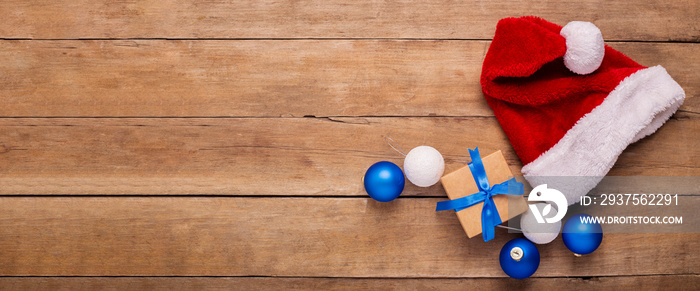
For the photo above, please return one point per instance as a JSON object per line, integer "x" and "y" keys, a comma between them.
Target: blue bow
{"x": 489, "y": 214}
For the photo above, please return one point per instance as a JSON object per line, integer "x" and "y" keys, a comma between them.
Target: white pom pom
{"x": 540, "y": 233}
{"x": 424, "y": 166}
{"x": 585, "y": 47}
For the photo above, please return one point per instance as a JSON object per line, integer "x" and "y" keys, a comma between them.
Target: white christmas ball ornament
{"x": 585, "y": 47}
{"x": 540, "y": 233}
{"x": 424, "y": 166}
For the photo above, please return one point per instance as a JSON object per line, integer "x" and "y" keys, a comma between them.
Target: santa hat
{"x": 568, "y": 103}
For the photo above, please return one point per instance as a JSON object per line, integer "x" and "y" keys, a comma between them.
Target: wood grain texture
{"x": 268, "y": 78}
{"x": 207, "y": 98}
{"x": 628, "y": 20}
{"x": 632, "y": 283}
{"x": 320, "y": 237}
{"x": 270, "y": 156}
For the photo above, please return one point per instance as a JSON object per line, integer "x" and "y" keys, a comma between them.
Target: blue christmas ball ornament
{"x": 384, "y": 181}
{"x": 519, "y": 258}
{"x": 580, "y": 235}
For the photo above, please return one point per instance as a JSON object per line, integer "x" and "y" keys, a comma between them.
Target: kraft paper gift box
{"x": 460, "y": 183}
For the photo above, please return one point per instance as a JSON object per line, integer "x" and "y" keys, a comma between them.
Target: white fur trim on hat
{"x": 585, "y": 47}
{"x": 637, "y": 107}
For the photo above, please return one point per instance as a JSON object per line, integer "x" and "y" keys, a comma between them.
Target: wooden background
{"x": 220, "y": 144}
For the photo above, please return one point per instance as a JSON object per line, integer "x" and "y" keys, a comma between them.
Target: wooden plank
{"x": 320, "y": 237}
{"x": 633, "y": 283}
{"x": 65, "y": 19}
{"x": 270, "y": 156}
{"x": 258, "y": 78}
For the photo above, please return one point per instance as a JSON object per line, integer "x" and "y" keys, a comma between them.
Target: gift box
{"x": 461, "y": 183}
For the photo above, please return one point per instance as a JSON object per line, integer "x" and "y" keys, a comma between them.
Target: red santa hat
{"x": 568, "y": 103}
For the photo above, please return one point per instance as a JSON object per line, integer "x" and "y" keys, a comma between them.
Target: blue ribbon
{"x": 489, "y": 213}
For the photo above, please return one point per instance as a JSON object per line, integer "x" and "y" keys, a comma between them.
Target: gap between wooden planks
{"x": 319, "y": 237}
{"x": 632, "y": 283}
{"x": 270, "y": 156}
{"x": 642, "y": 20}
{"x": 268, "y": 78}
